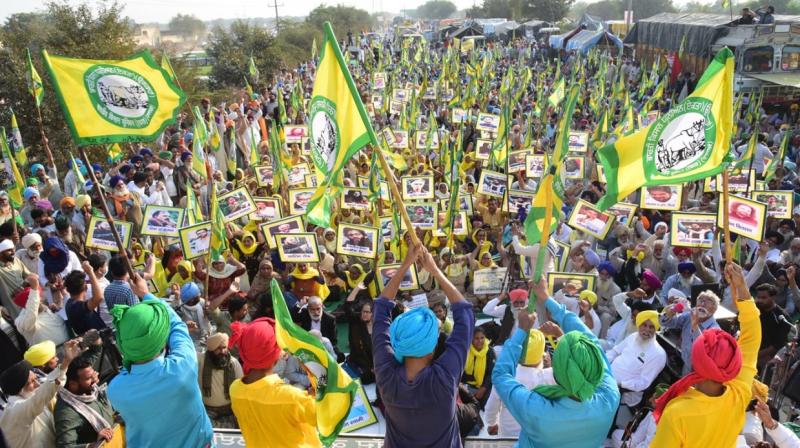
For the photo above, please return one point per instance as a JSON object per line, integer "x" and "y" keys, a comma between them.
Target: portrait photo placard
{"x": 355, "y": 198}
{"x": 516, "y": 161}
{"x": 692, "y": 229}
{"x": 623, "y": 212}
{"x": 572, "y": 168}
{"x": 591, "y": 220}
{"x": 291, "y": 224}
{"x": 195, "y": 240}
{"x": 745, "y": 217}
{"x": 423, "y": 215}
{"x": 295, "y": 134}
{"x": 356, "y": 240}
{"x": 519, "y": 200}
{"x": 297, "y": 247}
{"x": 483, "y": 149}
{"x": 267, "y": 209}
{"x": 236, "y": 204}
{"x": 488, "y": 122}
{"x": 417, "y": 187}
{"x": 265, "y": 175}
{"x": 572, "y": 284}
{"x": 162, "y": 221}
{"x": 489, "y": 281}
{"x": 99, "y": 235}
{"x": 535, "y": 165}
{"x": 409, "y": 283}
{"x": 779, "y": 203}
{"x": 299, "y": 199}
{"x": 298, "y": 172}
{"x": 578, "y": 141}
{"x": 661, "y": 197}
{"x": 493, "y": 183}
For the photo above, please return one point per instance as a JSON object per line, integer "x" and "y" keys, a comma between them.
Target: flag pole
{"x": 44, "y": 138}
{"x": 398, "y": 198}
{"x": 725, "y": 221}
{"x": 104, "y": 207}
{"x": 548, "y": 218}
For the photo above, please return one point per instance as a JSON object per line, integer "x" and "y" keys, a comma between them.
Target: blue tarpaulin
{"x": 586, "y": 39}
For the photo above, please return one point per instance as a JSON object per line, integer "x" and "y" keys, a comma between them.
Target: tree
{"x": 643, "y": 9}
{"x": 64, "y": 30}
{"x": 295, "y": 41}
{"x": 344, "y": 19}
{"x": 549, "y": 10}
{"x": 436, "y": 9}
{"x": 230, "y": 50}
{"x": 606, "y": 9}
{"x": 187, "y": 25}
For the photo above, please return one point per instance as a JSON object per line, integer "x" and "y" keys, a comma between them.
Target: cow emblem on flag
{"x": 324, "y": 132}
{"x": 121, "y": 96}
{"x": 682, "y": 139}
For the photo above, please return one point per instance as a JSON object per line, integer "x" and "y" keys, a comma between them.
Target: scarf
{"x": 142, "y": 330}
{"x": 414, "y": 333}
{"x": 244, "y": 249}
{"x": 715, "y": 356}
{"x": 179, "y": 279}
{"x": 226, "y": 272}
{"x": 81, "y": 405}
{"x": 491, "y": 264}
{"x": 352, "y": 282}
{"x": 476, "y": 363}
{"x": 120, "y": 196}
{"x": 260, "y": 283}
{"x": 208, "y": 369}
{"x": 578, "y": 367}
{"x": 141, "y": 258}
{"x": 322, "y": 289}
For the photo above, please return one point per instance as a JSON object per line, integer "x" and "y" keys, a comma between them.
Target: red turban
{"x": 518, "y": 294}
{"x": 256, "y": 340}
{"x": 715, "y": 356}
{"x": 685, "y": 251}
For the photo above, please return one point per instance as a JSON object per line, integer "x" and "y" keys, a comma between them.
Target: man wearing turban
{"x": 152, "y": 377}
{"x": 578, "y": 410}
{"x": 636, "y": 361}
{"x": 218, "y": 370}
{"x": 270, "y": 412}
{"x": 684, "y": 279}
{"x": 707, "y": 407}
{"x": 419, "y": 393}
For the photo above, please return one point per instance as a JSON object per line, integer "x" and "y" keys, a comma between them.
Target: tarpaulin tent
{"x": 586, "y": 39}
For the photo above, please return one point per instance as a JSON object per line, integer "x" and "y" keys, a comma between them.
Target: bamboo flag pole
{"x": 44, "y": 138}
{"x": 104, "y": 207}
{"x": 548, "y": 218}
{"x": 726, "y": 226}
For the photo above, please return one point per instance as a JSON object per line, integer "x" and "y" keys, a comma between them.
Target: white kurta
{"x": 497, "y": 414}
{"x": 635, "y": 364}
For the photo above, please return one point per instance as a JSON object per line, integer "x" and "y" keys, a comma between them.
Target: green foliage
{"x": 615, "y": 9}
{"x": 230, "y": 51}
{"x": 435, "y": 9}
{"x": 77, "y": 31}
{"x": 520, "y": 10}
{"x": 549, "y": 10}
{"x": 344, "y": 19}
{"x": 187, "y": 25}
{"x": 295, "y": 40}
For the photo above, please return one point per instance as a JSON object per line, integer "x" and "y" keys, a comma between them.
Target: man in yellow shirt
{"x": 707, "y": 407}
{"x": 270, "y": 412}
{"x": 491, "y": 214}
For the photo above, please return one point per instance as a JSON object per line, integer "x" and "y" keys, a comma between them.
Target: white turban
{"x": 676, "y": 293}
{"x": 6, "y": 245}
{"x": 31, "y": 239}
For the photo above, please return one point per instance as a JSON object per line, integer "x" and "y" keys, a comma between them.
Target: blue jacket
{"x": 560, "y": 423}
{"x": 160, "y": 401}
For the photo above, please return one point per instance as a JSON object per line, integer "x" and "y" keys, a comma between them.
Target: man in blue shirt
{"x": 692, "y": 323}
{"x": 419, "y": 392}
{"x": 578, "y": 411}
{"x": 157, "y": 392}
{"x": 83, "y": 313}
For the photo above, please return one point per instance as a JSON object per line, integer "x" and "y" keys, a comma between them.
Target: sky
{"x": 146, "y": 11}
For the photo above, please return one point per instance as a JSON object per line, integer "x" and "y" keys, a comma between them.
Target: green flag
{"x": 252, "y": 70}
{"x": 15, "y": 142}
{"x": 35, "y": 86}
{"x": 219, "y": 239}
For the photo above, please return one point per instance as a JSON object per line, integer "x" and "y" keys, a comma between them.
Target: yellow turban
{"x": 39, "y": 354}
{"x": 760, "y": 391}
{"x": 589, "y": 296}
{"x": 535, "y": 350}
{"x": 650, "y": 315}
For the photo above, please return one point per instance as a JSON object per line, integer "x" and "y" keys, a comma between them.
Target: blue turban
{"x": 125, "y": 168}
{"x": 607, "y": 266}
{"x": 145, "y": 152}
{"x": 135, "y": 159}
{"x": 687, "y": 266}
{"x": 414, "y": 333}
{"x": 185, "y": 155}
{"x": 35, "y": 167}
{"x": 29, "y": 192}
{"x": 97, "y": 168}
{"x": 115, "y": 180}
{"x": 189, "y": 291}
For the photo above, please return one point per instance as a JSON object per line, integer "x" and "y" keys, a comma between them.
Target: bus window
{"x": 757, "y": 59}
{"x": 790, "y": 58}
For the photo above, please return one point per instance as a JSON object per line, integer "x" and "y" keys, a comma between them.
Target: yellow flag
{"x": 114, "y": 101}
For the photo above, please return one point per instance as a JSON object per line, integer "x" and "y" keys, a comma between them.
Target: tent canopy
{"x": 586, "y": 39}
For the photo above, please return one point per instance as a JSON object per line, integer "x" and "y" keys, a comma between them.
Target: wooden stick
{"x": 398, "y": 198}
{"x": 44, "y": 139}
{"x": 725, "y": 221}
{"x": 104, "y": 207}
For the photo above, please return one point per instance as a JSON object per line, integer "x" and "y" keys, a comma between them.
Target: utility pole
{"x": 277, "y": 19}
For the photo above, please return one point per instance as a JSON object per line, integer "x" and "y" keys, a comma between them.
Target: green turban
{"x": 578, "y": 366}
{"x": 142, "y": 330}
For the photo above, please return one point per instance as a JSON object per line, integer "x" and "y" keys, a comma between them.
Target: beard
{"x": 220, "y": 361}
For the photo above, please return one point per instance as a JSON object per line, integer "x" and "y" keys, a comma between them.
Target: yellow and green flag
{"x": 167, "y": 67}
{"x": 339, "y": 126}
{"x": 558, "y": 93}
{"x": 78, "y": 174}
{"x": 335, "y": 390}
{"x": 108, "y": 101}
{"x": 14, "y": 181}
{"x": 15, "y": 143}
{"x": 35, "y": 87}
{"x": 115, "y": 153}
{"x": 252, "y": 70}
{"x": 689, "y": 142}
{"x": 219, "y": 241}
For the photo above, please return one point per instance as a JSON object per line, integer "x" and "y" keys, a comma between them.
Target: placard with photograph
{"x": 361, "y": 414}
{"x": 516, "y": 161}
{"x": 650, "y": 117}
{"x": 299, "y": 199}
{"x": 396, "y": 107}
{"x": 492, "y": 183}
{"x": 489, "y": 281}
{"x": 267, "y": 209}
{"x": 379, "y": 80}
{"x": 265, "y": 175}
{"x": 459, "y": 115}
{"x": 465, "y": 203}
{"x": 422, "y": 140}
{"x": 572, "y": 284}
{"x": 99, "y": 235}
{"x": 387, "y": 228}
{"x": 400, "y": 95}
{"x": 388, "y": 135}
{"x": 745, "y": 217}
{"x": 417, "y": 187}
{"x": 484, "y": 149}
{"x": 561, "y": 255}
{"x": 535, "y": 165}
{"x": 459, "y": 224}
{"x": 195, "y": 239}
{"x": 236, "y": 204}
{"x": 162, "y": 221}
{"x": 423, "y": 215}
{"x": 779, "y": 203}
{"x": 761, "y": 185}
{"x": 409, "y": 283}
{"x": 291, "y": 224}
{"x": 311, "y": 181}
{"x": 400, "y": 140}
{"x": 429, "y": 93}
{"x": 377, "y": 102}
{"x": 488, "y": 122}
{"x": 601, "y": 173}
{"x": 572, "y": 168}
{"x": 578, "y": 141}
{"x": 355, "y": 198}
{"x": 297, "y": 247}
{"x": 692, "y": 229}
{"x": 739, "y": 181}
{"x": 356, "y": 240}
{"x": 623, "y": 212}
{"x": 295, "y": 134}
{"x": 591, "y": 220}
{"x": 519, "y": 200}
{"x": 297, "y": 174}
{"x": 661, "y": 197}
